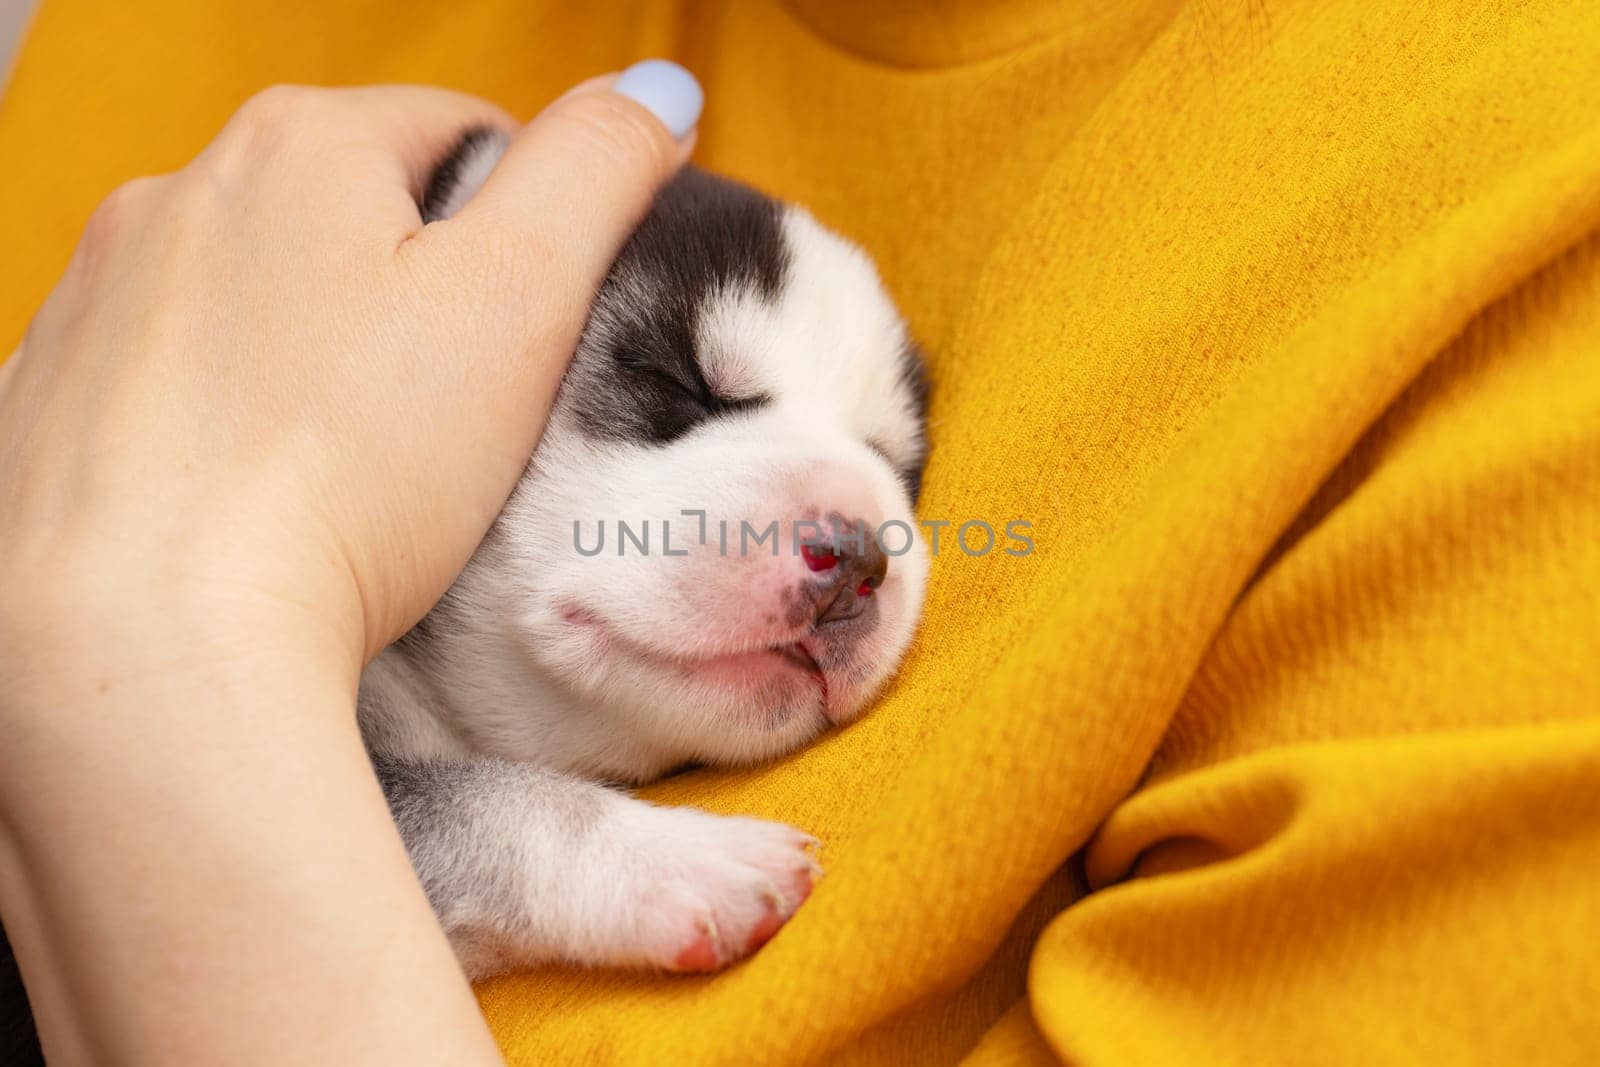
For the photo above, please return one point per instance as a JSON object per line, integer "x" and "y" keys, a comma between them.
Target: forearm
{"x": 197, "y": 866}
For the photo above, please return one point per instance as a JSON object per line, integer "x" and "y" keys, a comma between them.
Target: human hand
{"x": 264, "y": 386}
{"x": 252, "y": 435}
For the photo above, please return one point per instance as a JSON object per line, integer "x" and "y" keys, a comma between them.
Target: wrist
{"x": 186, "y": 807}
{"x": 93, "y": 660}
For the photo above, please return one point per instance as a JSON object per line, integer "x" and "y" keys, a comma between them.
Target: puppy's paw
{"x": 704, "y": 890}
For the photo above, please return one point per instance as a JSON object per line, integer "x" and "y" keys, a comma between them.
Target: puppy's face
{"x": 744, "y": 386}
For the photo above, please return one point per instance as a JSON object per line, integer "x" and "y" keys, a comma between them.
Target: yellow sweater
{"x": 1281, "y": 324}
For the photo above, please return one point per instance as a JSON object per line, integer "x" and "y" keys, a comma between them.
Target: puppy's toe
{"x": 700, "y": 954}
{"x": 716, "y": 889}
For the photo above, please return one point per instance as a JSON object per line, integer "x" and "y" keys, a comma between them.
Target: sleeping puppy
{"x": 688, "y": 572}
{"x": 746, "y": 400}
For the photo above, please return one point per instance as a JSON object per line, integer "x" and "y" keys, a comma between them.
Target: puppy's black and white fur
{"x": 742, "y": 364}
{"x": 742, "y": 367}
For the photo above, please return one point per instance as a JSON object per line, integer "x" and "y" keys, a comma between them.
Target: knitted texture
{"x": 1280, "y": 322}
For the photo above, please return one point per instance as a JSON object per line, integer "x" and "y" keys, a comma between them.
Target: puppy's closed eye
{"x": 680, "y": 402}
{"x": 640, "y": 366}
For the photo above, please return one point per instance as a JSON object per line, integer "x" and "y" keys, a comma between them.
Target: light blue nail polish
{"x": 669, "y": 92}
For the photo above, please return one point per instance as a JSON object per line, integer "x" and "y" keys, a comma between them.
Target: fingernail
{"x": 666, "y": 90}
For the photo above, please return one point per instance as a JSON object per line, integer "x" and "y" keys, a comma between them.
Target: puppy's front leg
{"x": 525, "y": 866}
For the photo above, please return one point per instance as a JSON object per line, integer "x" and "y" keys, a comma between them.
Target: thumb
{"x": 576, "y": 181}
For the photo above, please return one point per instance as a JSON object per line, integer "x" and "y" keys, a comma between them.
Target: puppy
{"x": 710, "y": 559}
{"x": 742, "y": 420}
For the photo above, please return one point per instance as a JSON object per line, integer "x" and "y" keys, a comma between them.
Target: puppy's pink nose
{"x": 847, "y": 570}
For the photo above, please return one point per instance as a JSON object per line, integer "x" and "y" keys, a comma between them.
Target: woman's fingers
{"x": 374, "y": 146}
{"x": 416, "y": 125}
{"x": 576, "y": 180}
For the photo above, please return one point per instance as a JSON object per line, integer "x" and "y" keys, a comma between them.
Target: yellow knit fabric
{"x": 1281, "y": 324}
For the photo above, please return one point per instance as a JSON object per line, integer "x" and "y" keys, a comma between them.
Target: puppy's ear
{"x": 462, "y": 172}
